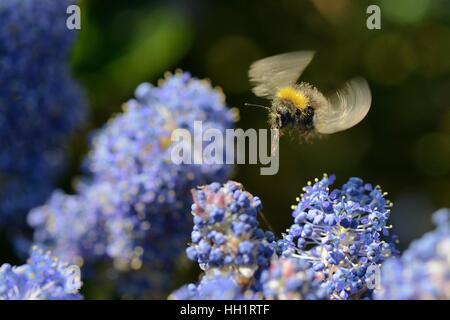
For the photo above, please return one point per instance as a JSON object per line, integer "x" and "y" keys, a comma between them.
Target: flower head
{"x": 43, "y": 277}
{"x": 226, "y": 235}
{"x": 340, "y": 232}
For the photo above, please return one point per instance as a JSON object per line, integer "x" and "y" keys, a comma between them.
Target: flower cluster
{"x": 227, "y": 243}
{"x": 423, "y": 270}
{"x": 41, "y": 105}
{"x": 43, "y": 277}
{"x": 226, "y": 234}
{"x": 341, "y": 233}
{"x": 134, "y": 209}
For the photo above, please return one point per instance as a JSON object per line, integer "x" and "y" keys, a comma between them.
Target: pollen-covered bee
{"x": 300, "y": 106}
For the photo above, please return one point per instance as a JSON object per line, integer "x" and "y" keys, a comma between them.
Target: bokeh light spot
{"x": 390, "y": 59}
{"x": 228, "y": 60}
{"x": 405, "y": 11}
{"x": 432, "y": 46}
{"x": 432, "y": 154}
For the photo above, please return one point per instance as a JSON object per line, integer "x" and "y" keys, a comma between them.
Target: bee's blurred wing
{"x": 345, "y": 108}
{"x": 272, "y": 73}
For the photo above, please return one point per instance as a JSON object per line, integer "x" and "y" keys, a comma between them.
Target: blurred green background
{"x": 404, "y": 142}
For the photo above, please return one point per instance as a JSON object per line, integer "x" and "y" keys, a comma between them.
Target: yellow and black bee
{"x": 300, "y": 106}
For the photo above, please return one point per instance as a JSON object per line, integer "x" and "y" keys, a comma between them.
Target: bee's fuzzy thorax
{"x": 296, "y": 97}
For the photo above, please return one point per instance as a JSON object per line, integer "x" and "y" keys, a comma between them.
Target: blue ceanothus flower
{"x": 44, "y": 277}
{"x": 341, "y": 233}
{"x": 226, "y": 235}
{"x": 135, "y": 208}
{"x": 40, "y": 104}
{"x": 227, "y": 243}
{"x": 423, "y": 270}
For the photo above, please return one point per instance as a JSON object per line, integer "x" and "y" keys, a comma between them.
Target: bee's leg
{"x": 276, "y": 140}
{"x": 274, "y": 120}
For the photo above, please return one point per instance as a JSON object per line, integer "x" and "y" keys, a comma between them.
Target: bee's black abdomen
{"x": 297, "y": 119}
{"x": 306, "y": 119}
{"x": 287, "y": 119}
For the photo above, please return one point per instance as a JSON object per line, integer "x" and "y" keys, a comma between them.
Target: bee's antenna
{"x": 257, "y": 105}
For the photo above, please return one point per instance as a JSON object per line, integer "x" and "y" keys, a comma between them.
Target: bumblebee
{"x": 300, "y": 107}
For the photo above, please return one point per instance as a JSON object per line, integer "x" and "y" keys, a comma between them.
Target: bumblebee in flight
{"x": 300, "y": 106}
